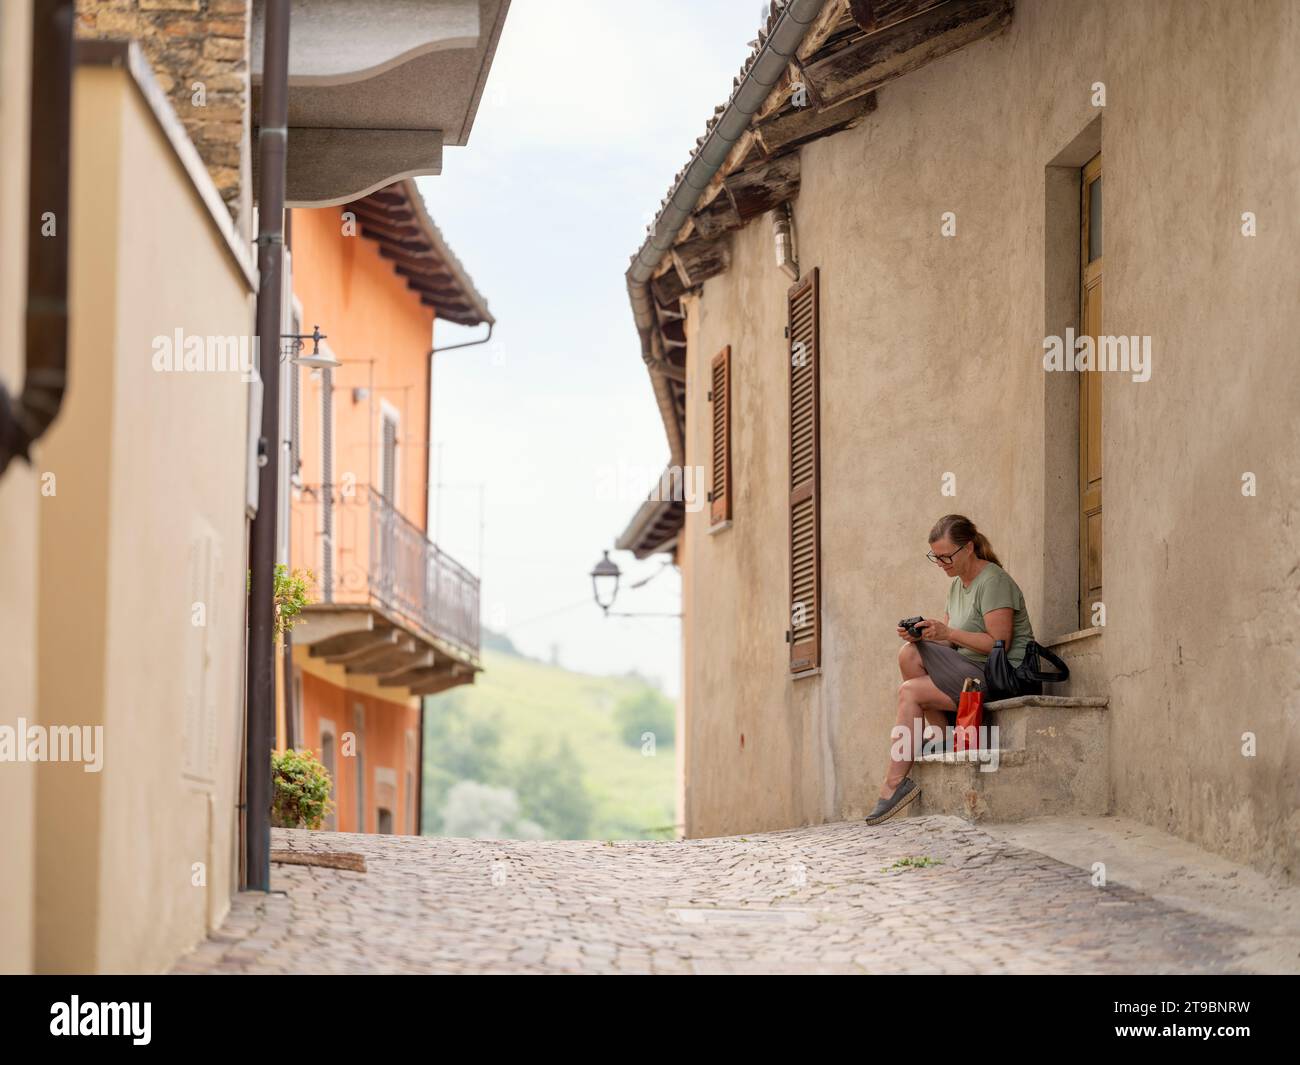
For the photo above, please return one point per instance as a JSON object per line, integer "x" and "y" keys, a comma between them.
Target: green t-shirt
{"x": 991, "y": 589}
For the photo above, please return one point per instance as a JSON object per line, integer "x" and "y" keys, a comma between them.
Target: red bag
{"x": 970, "y": 715}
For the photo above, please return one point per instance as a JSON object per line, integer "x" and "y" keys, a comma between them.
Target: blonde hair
{"x": 961, "y": 531}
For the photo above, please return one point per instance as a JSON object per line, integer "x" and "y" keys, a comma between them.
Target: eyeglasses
{"x": 946, "y": 560}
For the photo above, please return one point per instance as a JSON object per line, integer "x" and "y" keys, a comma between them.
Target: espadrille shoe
{"x": 886, "y": 808}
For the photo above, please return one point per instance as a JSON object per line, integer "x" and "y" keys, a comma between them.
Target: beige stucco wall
{"x": 931, "y": 363}
{"x": 147, "y": 464}
{"x": 19, "y": 499}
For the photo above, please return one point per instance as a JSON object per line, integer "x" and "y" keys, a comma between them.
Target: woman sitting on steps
{"x": 984, "y": 605}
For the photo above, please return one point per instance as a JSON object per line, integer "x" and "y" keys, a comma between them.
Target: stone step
{"x": 1049, "y": 755}
{"x": 1000, "y": 755}
{"x": 1082, "y": 719}
{"x": 1063, "y": 701}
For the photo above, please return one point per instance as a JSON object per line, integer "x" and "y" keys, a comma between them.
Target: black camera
{"x": 912, "y": 625}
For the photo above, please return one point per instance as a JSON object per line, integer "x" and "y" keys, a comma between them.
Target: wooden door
{"x": 1090, "y": 393}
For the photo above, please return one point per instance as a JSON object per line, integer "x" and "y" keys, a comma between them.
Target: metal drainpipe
{"x": 465, "y": 343}
{"x": 291, "y": 737}
{"x": 327, "y": 484}
{"x": 785, "y": 38}
{"x": 429, "y": 434}
{"x": 419, "y": 777}
{"x": 25, "y": 419}
{"x": 419, "y": 787}
{"x": 271, "y": 146}
{"x": 767, "y": 69}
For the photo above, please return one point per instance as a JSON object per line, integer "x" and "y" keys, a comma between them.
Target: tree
{"x": 552, "y": 792}
{"x": 457, "y": 746}
{"x": 479, "y": 811}
{"x": 646, "y": 711}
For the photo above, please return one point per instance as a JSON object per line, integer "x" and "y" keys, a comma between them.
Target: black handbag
{"x": 1006, "y": 682}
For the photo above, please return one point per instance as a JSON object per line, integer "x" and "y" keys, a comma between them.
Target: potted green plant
{"x": 300, "y": 788}
{"x": 291, "y": 595}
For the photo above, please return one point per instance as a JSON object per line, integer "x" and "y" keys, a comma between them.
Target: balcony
{"x": 390, "y": 604}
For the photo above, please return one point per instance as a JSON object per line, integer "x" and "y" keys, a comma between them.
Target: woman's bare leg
{"x": 909, "y": 662}
{"x": 920, "y": 703}
{"x": 912, "y": 667}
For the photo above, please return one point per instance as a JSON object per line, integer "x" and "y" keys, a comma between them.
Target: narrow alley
{"x": 837, "y": 898}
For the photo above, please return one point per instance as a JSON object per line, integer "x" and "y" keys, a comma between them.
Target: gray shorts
{"x": 948, "y": 668}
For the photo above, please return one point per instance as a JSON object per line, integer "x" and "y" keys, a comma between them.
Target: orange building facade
{"x": 393, "y": 617}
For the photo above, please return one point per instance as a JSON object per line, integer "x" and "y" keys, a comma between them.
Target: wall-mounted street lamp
{"x": 317, "y": 360}
{"x": 604, "y": 589}
{"x": 604, "y": 582}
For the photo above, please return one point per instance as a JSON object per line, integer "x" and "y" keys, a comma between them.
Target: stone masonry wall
{"x": 199, "y": 53}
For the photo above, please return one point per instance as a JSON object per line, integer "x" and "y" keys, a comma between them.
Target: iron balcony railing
{"x": 362, "y": 549}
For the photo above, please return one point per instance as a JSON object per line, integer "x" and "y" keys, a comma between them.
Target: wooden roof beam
{"x": 391, "y": 195}
{"x": 762, "y": 187}
{"x": 717, "y": 217}
{"x": 394, "y": 219}
{"x": 825, "y": 25}
{"x": 343, "y": 653}
{"x": 667, "y": 286}
{"x": 423, "y": 283}
{"x": 781, "y": 94}
{"x": 698, "y": 260}
{"x": 428, "y": 265}
{"x": 452, "y": 309}
{"x": 442, "y": 680}
{"x": 803, "y": 124}
{"x": 388, "y": 661}
{"x": 384, "y": 231}
{"x": 905, "y": 46}
{"x": 370, "y": 206}
{"x": 416, "y": 249}
{"x": 874, "y": 15}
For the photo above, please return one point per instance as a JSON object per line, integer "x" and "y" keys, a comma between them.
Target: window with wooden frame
{"x": 297, "y": 703}
{"x": 359, "y": 753}
{"x": 412, "y": 790}
{"x": 389, "y": 435}
{"x": 804, "y": 635}
{"x": 1090, "y": 397}
{"x": 720, "y": 413}
{"x": 329, "y": 759}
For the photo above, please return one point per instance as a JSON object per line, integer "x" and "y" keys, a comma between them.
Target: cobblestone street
{"x": 828, "y": 899}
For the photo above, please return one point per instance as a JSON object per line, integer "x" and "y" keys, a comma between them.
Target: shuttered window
{"x": 720, "y": 405}
{"x": 388, "y": 458}
{"x": 805, "y": 520}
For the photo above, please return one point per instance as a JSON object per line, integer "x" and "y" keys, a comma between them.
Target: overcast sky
{"x": 591, "y": 108}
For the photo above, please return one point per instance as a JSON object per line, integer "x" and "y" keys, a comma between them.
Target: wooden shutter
{"x": 805, "y": 520}
{"x": 388, "y": 460}
{"x": 720, "y": 398}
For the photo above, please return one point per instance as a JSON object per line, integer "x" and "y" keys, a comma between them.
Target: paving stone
{"x": 429, "y": 905}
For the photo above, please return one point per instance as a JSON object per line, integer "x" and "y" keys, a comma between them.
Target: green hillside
{"x": 531, "y": 750}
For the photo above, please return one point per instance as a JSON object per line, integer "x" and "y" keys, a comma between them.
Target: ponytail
{"x": 984, "y": 549}
{"x": 961, "y": 531}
